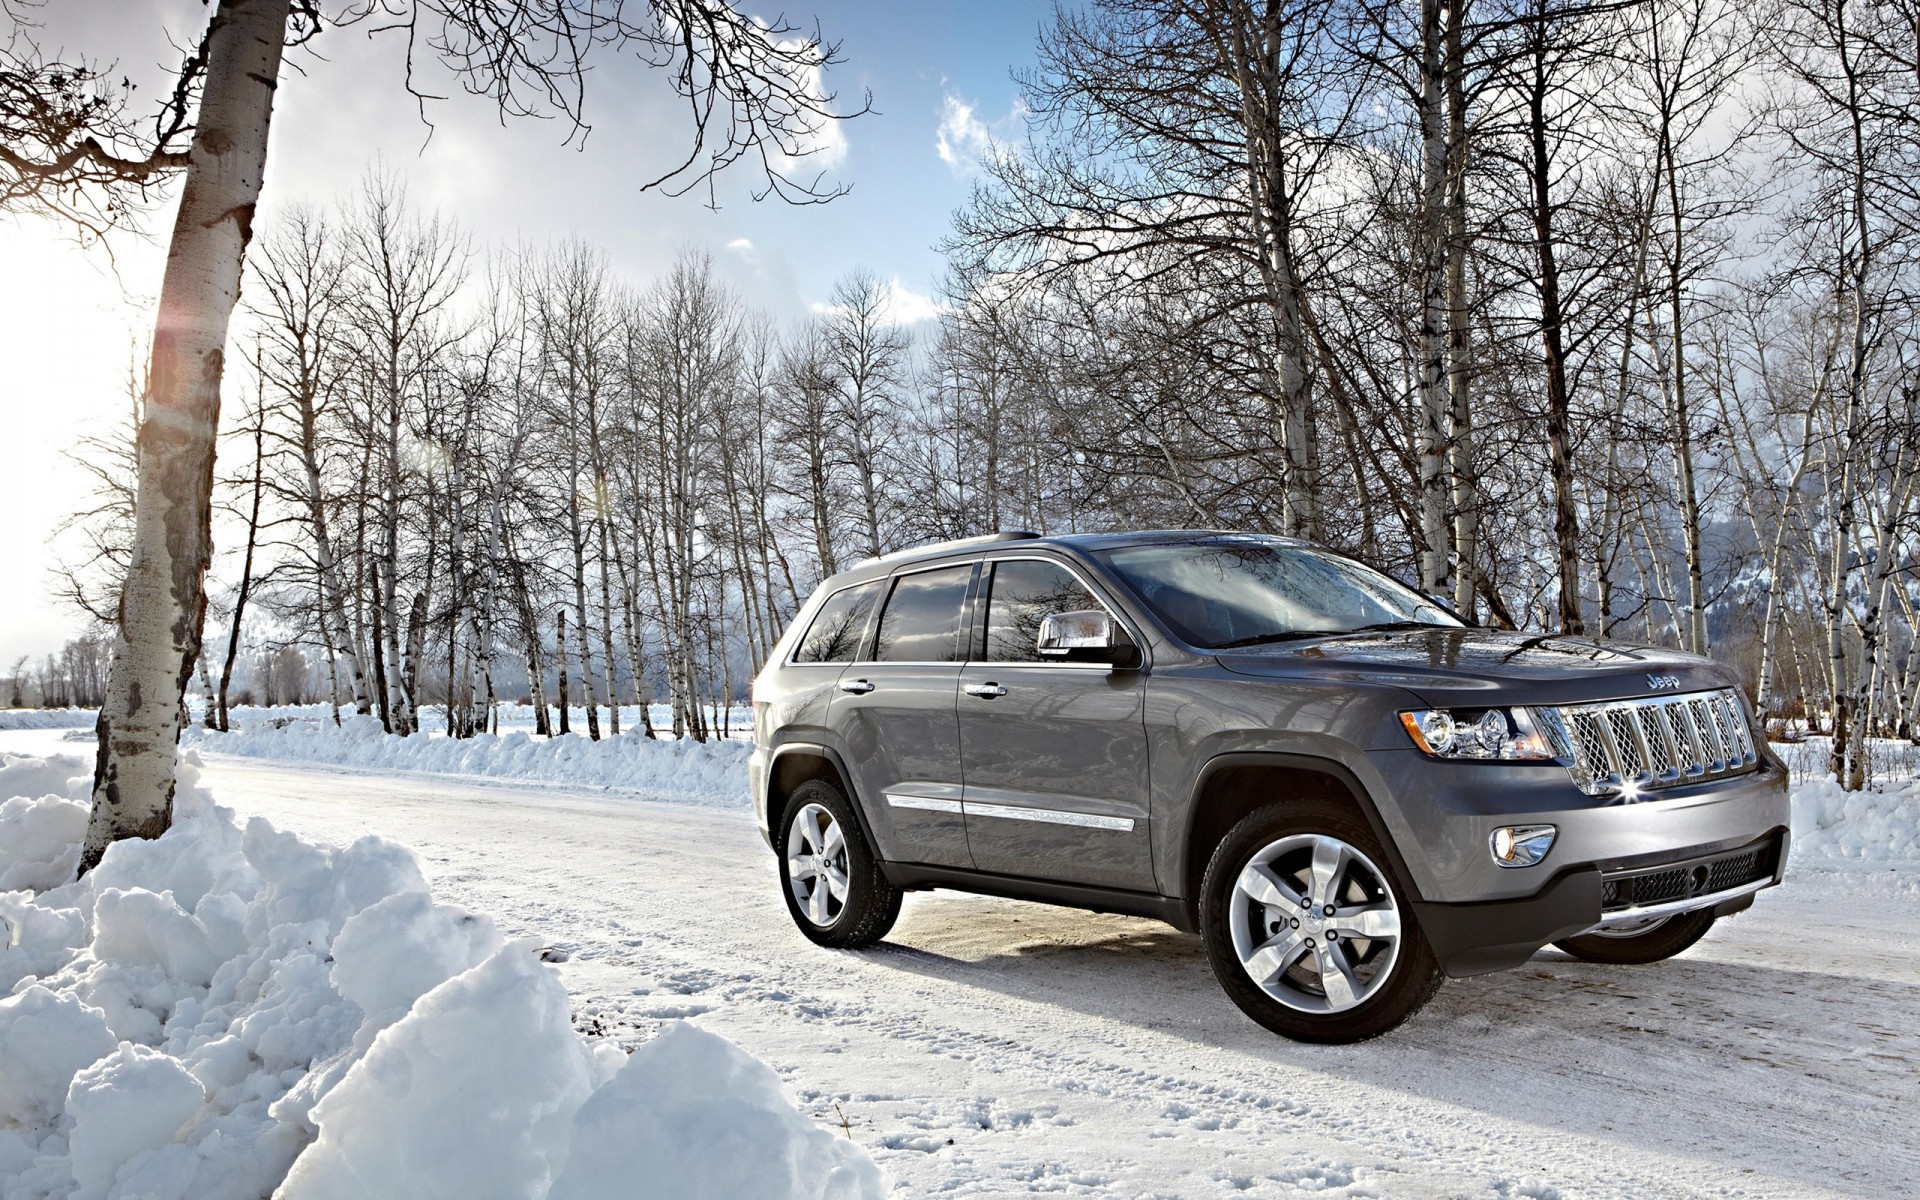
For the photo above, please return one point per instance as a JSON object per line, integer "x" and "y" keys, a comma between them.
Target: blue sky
{"x": 64, "y": 338}
{"x": 917, "y": 58}
{"x": 928, "y": 66}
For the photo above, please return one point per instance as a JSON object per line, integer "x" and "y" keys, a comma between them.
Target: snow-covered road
{"x": 993, "y": 1047}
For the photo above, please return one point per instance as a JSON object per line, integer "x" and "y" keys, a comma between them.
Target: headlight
{"x": 1504, "y": 734}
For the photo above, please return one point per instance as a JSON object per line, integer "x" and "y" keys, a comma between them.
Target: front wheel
{"x": 833, "y": 883}
{"x": 1307, "y": 931}
{"x": 1661, "y": 939}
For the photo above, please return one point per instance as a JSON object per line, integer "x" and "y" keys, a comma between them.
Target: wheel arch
{"x": 795, "y": 763}
{"x": 1236, "y": 783}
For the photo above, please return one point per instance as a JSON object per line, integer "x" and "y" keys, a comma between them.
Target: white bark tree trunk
{"x": 163, "y": 604}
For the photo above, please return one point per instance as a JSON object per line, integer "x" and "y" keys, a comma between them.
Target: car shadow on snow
{"x": 1697, "y": 1057}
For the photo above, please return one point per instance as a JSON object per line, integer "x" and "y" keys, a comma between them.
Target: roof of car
{"x": 1022, "y": 539}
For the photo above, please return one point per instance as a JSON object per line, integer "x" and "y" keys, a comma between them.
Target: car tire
{"x": 832, "y": 881}
{"x": 1657, "y": 944}
{"x": 1320, "y": 988}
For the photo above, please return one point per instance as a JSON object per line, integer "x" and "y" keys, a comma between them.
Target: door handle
{"x": 986, "y": 691}
{"x": 858, "y": 687}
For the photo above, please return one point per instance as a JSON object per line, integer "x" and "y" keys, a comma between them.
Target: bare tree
{"x": 752, "y": 89}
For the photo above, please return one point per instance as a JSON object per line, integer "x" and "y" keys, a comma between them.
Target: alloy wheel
{"x": 1315, "y": 923}
{"x": 817, "y": 865}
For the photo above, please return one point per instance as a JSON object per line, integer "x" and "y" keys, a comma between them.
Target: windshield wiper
{"x": 1266, "y": 639}
{"x": 1291, "y": 635}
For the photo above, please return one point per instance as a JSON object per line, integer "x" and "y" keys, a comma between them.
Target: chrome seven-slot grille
{"x": 1628, "y": 746}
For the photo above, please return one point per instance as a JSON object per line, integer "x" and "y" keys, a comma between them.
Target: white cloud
{"x": 908, "y": 307}
{"x": 962, "y": 139}
{"x": 741, "y": 246}
{"x": 821, "y": 142}
{"x": 904, "y": 306}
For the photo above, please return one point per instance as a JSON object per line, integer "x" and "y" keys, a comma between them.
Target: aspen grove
{"x": 1590, "y": 319}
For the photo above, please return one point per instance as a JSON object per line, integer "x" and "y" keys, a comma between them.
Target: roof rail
{"x": 1009, "y": 535}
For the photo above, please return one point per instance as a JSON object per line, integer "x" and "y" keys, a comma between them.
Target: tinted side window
{"x": 1024, "y": 591}
{"x": 834, "y": 636}
{"x": 921, "y": 622}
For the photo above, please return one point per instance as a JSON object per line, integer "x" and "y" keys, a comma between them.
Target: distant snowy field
{"x": 47, "y": 718}
{"x": 713, "y": 774}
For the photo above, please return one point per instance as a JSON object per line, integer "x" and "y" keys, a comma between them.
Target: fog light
{"x": 1521, "y": 845}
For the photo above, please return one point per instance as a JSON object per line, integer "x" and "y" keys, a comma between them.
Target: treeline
{"x": 1592, "y": 318}
{"x": 76, "y": 677}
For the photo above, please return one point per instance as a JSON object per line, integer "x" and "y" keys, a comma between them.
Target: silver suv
{"x": 1346, "y": 791}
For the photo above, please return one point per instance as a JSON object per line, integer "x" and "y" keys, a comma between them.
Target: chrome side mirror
{"x": 1088, "y": 636}
{"x": 1062, "y": 633}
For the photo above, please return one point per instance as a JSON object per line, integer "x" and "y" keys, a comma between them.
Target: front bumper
{"x": 1472, "y": 939}
{"x": 1441, "y": 814}
{"x": 1479, "y": 916}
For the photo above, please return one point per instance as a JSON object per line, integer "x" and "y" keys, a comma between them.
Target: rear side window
{"x": 922, "y": 618}
{"x": 1024, "y": 591}
{"x": 834, "y": 636}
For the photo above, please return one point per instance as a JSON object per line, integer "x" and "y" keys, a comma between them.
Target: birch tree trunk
{"x": 1432, "y": 379}
{"x": 163, "y": 604}
{"x": 1254, "y": 49}
{"x": 1462, "y": 462}
{"x": 1566, "y": 518}
{"x": 1696, "y": 628}
{"x": 246, "y": 562}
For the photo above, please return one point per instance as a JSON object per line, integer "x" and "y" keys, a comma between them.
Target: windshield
{"x": 1222, "y": 594}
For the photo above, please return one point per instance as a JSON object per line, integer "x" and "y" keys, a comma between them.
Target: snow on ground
{"x": 995, "y": 1048}
{"x": 1831, "y": 822}
{"x": 688, "y": 772}
{"x": 662, "y": 768}
{"x": 46, "y": 718}
{"x": 737, "y": 721}
{"x": 210, "y": 1009}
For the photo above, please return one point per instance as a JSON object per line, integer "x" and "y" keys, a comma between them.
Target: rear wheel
{"x": 1307, "y": 931}
{"x": 832, "y": 881}
{"x": 1634, "y": 945}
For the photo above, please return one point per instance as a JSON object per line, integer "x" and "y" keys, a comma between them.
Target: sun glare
{"x": 69, "y": 318}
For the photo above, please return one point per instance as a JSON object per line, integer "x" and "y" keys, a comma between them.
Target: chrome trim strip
{"x": 1628, "y": 916}
{"x": 924, "y": 803}
{"x": 1051, "y": 816}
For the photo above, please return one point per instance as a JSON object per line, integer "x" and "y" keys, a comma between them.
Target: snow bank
{"x": 711, "y": 774}
{"x": 66, "y": 775}
{"x": 229, "y": 1012}
{"x": 1831, "y": 822}
{"x": 39, "y": 842}
{"x": 695, "y": 1115}
{"x": 471, "y": 1093}
{"x": 47, "y": 718}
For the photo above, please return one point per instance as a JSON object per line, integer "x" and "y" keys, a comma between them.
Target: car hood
{"x": 1470, "y": 666}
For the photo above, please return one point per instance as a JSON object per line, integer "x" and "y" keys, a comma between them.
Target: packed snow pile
{"x": 47, "y": 718}
{"x": 712, "y": 774}
{"x": 231, "y": 1012}
{"x": 1831, "y": 822}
